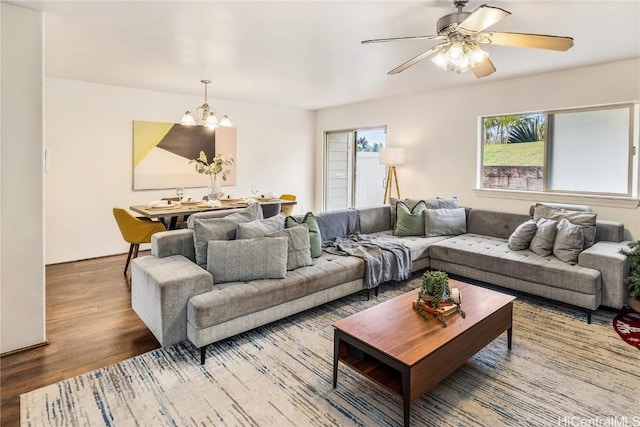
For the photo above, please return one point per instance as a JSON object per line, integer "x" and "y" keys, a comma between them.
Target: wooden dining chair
{"x": 287, "y": 209}
{"x": 135, "y": 231}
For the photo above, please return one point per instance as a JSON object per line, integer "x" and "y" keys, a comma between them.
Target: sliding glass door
{"x": 353, "y": 174}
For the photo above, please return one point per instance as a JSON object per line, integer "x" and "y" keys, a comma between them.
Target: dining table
{"x": 170, "y": 214}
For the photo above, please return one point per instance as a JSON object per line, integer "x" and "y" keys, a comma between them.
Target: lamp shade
{"x": 392, "y": 156}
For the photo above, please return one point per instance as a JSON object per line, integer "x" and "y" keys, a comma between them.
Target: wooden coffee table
{"x": 394, "y": 346}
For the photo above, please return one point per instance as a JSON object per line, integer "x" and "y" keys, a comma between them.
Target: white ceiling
{"x": 307, "y": 54}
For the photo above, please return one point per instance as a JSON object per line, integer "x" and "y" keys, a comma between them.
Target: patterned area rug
{"x": 627, "y": 325}
{"x": 560, "y": 371}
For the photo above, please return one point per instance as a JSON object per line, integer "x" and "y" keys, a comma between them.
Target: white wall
{"x": 439, "y": 131}
{"x": 89, "y": 134}
{"x": 22, "y": 308}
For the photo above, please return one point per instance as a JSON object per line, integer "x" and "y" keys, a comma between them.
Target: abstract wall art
{"x": 161, "y": 154}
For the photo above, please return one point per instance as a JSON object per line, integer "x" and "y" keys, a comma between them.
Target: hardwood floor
{"x": 90, "y": 324}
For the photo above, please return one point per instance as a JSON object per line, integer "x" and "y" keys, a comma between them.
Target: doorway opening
{"x": 354, "y": 177}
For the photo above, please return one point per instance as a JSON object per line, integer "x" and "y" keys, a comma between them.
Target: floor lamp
{"x": 391, "y": 157}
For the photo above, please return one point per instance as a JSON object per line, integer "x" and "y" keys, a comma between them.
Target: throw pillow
{"x": 586, "y": 220}
{"x": 218, "y": 229}
{"x": 409, "y": 222}
{"x": 252, "y": 212}
{"x": 444, "y": 222}
{"x": 298, "y": 247}
{"x": 442, "y": 203}
{"x": 542, "y": 242}
{"x": 521, "y": 237}
{"x": 260, "y": 227}
{"x": 315, "y": 239}
{"x": 569, "y": 242}
{"x": 433, "y": 203}
{"x": 248, "y": 259}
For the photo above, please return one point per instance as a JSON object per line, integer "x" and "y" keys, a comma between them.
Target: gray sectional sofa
{"x": 178, "y": 299}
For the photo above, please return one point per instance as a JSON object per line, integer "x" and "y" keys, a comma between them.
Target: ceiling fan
{"x": 464, "y": 32}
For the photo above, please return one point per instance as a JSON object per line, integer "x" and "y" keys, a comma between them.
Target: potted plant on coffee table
{"x": 433, "y": 293}
{"x": 633, "y": 280}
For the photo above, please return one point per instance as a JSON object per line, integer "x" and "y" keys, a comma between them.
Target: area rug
{"x": 627, "y": 325}
{"x": 560, "y": 371}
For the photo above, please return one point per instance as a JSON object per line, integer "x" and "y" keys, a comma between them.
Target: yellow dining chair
{"x": 287, "y": 209}
{"x": 135, "y": 231}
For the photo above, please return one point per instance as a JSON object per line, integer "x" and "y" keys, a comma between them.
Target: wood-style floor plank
{"x": 90, "y": 324}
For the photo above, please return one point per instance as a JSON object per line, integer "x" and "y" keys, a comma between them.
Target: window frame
{"x": 632, "y": 167}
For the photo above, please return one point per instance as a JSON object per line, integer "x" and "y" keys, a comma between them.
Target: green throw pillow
{"x": 409, "y": 222}
{"x": 315, "y": 239}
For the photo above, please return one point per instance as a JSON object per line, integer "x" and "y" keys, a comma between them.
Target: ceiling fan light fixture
{"x": 476, "y": 55}
{"x": 441, "y": 59}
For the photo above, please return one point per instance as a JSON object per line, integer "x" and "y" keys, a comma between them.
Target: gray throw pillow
{"x": 298, "y": 247}
{"x": 252, "y": 212}
{"x": 409, "y": 222}
{"x": 586, "y": 220}
{"x": 260, "y": 227}
{"x": 569, "y": 242}
{"x": 433, "y": 203}
{"x": 315, "y": 238}
{"x": 521, "y": 237}
{"x": 542, "y": 242}
{"x": 248, "y": 259}
{"x": 444, "y": 222}
{"x": 218, "y": 229}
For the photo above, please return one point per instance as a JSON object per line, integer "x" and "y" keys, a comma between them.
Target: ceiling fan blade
{"x": 415, "y": 59}
{"x": 401, "y": 38}
{"x": 484, "y": 69}
{"x": 483, "y": 17}
{"x": 536, "y": 41}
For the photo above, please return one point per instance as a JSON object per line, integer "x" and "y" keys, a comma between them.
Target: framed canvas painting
{"x": 161, "y": 154}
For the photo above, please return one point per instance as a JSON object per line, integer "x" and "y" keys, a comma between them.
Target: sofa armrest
{"x": 173, "y": 242}
{"x": 613, "y": 267}
{"x": 160, "y": 291}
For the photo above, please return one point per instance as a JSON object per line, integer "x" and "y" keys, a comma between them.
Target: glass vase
{"x": 214, "y": 192}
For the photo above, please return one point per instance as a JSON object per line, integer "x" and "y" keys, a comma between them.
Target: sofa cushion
{"x": 542, "y": 242}
{"x": 418, "y": 245}
{"x": 247, "y": 259}
{"x": 374, "y": 219}
{"x": 569, "y": 242}
{"x": 444, "y": 222}
{"x": 260, "y": 227}
{"x": 315, "y": 238}
{"x": 520, "y": 239}
{"x": 339, "y": 223}
{"x": 585, "y": 219}
{"x": 493, "y": 255}
{"x": 298, "y": 247}
{"x": 409, "y": 221}
{"x": 231, "y": 300}
{"x": 205, "y": 229}
{"x": 494, "y": 223}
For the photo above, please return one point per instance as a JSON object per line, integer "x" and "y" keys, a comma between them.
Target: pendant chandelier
{"x": 205, "y": 115}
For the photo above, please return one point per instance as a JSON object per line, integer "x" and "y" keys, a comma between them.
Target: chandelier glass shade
{"x": 204, "y": 114}
{"x": 460, "y": 56}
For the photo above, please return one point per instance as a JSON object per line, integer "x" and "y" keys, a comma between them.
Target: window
{"x": 587, "y": 151}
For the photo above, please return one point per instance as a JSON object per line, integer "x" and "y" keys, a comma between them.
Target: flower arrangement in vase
{"x": 435, "y": 297}
{"x": 213, "y": 168}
